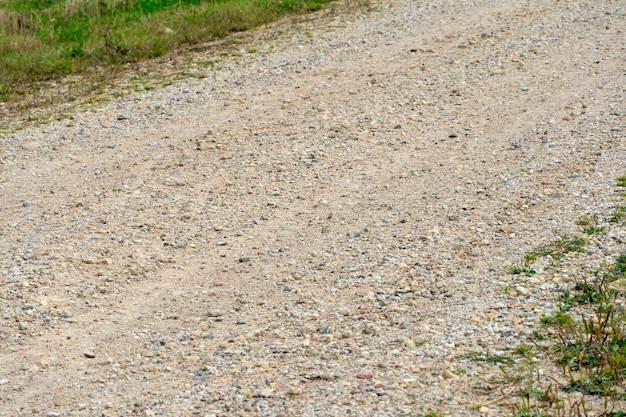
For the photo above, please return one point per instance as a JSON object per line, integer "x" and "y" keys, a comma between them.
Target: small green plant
{"x": 517, "y": 270}
{"x": 530, "y": 258}
{"x": 556, "y": 250}
{"x": 537, "y": 401}
{"x": 538, "y": 336}
{"x": 590, "y": 224}
{"x": 522, "y": 350}
{"x": 592, "y": 230}
{"x": 618, "y": 269}
{"x": 618, "y": 215}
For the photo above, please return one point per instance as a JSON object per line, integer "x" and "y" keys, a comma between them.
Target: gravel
{"x": 321, "y": 228}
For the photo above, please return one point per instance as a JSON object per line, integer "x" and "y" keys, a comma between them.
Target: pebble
{"x": 31, "y": 146}
{"x": 264, "y": 393}
{"x": 523, "y": 291}
{"x": 22, "y": 326}
{"x": 447, "y": 374}
{"x": 89, "y": 353}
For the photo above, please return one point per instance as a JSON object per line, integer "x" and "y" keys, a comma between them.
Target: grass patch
{"x": 556, "y": 250}
{"x": 590, "y": 225}
{"x": 46, "y": 40}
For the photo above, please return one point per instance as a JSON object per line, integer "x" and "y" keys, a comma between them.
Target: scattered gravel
{"x": 320, "y": 228}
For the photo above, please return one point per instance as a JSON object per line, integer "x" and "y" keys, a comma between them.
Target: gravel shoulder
{"x": 319, "y": 228}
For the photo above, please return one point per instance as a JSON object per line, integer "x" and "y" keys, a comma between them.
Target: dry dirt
{"x": 320, "y": 227}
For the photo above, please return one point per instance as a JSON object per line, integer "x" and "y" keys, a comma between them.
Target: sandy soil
{"x": 321, "y": 227}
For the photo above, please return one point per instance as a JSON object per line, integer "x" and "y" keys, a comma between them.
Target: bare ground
{"x": 319, "y": 228}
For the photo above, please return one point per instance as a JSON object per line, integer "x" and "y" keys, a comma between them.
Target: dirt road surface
{"x": 319, "y": 226}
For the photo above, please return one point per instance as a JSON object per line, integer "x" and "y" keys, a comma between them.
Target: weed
{"x": 592, "y": 230}
{"x": 618, "y": 269}
{"x": 618, "y": 215}
{"x": 537, "y": 402}
{"x": 522, "y": 350}
{"x": 556, "y": 250}
{"x": 530, "y": 258}
{"x": 590, "y": 224}
{"x": 517, "y": 270}
{"x": 588, "y": 220}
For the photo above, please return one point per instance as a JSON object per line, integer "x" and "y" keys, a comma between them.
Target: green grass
{"x": 522, "y": 350}
{"x": 556, "y": 250}
{"x": 590, "y": 225}
{"x": 618, "y": 215}
{"x": 518, "y": 270}
{"x": 49, "y": 39}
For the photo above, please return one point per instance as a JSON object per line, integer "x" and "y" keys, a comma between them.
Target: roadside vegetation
{"x": 584, "y": 336}
{"x": 575, "y": 363}
{"x": 46, "y": 40}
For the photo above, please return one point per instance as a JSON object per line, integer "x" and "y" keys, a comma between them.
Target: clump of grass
{"x": 518, "y": 270}
{"x": 592, "y": 230}
{"x": 590, "y": 225}
{"x": 522, "y": 350}
{"x": 618, "y": 215}
{"x": 539, "y": 402}
{"x": 556, "y": 250}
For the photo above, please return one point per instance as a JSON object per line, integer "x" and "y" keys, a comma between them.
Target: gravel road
{"x": 319, "y": 226}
